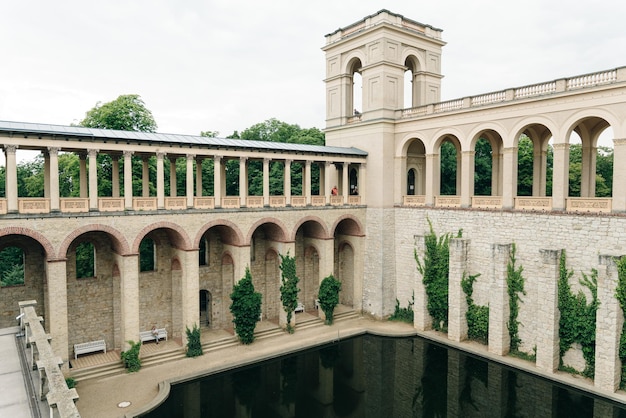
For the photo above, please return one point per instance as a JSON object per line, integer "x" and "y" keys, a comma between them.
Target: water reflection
{"x": 380, "y": 377}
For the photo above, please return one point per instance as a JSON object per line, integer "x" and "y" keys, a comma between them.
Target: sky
{"x": 225, "y": 65}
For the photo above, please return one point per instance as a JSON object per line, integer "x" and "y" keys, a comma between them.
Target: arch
{"x": 575, "y": 119}
{"x": 405, "y": 143}
{"x": 227, "y": 259}
{"x": 118, "y": 241}
{"x": 446, "y": 134}
{"x": 277, "y": 230}
{"x": 42, "y": 240}
{"x": 350, "y": 225}
{"x": 177, "y": 236}
{"x": 228, "y": 231}
{"x": 352, "y": 59}
{"x": 317, "y": 229}
{"x": 176, "y": 264}
{"x": 488, "y": 131}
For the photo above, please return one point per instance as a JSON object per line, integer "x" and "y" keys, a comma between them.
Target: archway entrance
{"x": 205, "y": 308}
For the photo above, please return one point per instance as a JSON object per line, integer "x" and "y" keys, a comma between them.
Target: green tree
{"x": 245, "y": 307}
{"x": 289, "y": 287}
{"x": 448, "y": 169}
{"x": 126, "y": 113}
{"x": 329, "y": 297}
{"x": 483, "y": 157}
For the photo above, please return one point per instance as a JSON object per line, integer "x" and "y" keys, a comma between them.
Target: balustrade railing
{"x": 74, "y": 204}
{"x": 144, "y": 203}
{"x": 204, "y": 202}
{"x": 254, "y": 201}
{"x": 175, "y": 203}
{"x": 448, "y": 201}
{"x": 588, "y": 204}
{"x": 230, "y": 202}
{"x": 535, "y": 203}
{"x": 414, "y": 200}
{"x": 110, "y": 204}
{"x": 298, "y": 201}
{"x": 33, "y": 205}
{"x": 487, "y": 202}
{"x": 278, "y": 201}
{"x": 318, "y": 200}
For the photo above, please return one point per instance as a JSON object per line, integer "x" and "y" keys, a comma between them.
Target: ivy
{"x": 578, "y": 318}
{"x": 403, "y": 314}
{"x": 246, "y": 308}
{"x": 620, "y": 294}
{"x": 434, "y": 269}
{"x": 515, "y": 287}
{"x": 289, "y": 287}
{"x": 477, "y": 316}
{"x": 194, "y": 345}
{"x": 130, "y": 358}
{"x": 329, "y": 297}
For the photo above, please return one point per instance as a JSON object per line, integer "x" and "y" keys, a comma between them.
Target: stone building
{"x": 384, "y": 156}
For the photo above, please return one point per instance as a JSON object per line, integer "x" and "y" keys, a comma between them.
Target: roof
{"x": 178, "y": 139}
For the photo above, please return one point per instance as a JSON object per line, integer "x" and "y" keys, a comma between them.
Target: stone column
{"x": 422, "y": 321}
{"x": 363, "y": 182}
{"x": 160, "y": 180}
{"x": 217, "y": 180}
{"x": 93, "y": 180}
{"x": 467, "y": 178}
{"x": 82, "y": 163}
{"x": 11, "y": 177}
{"x": 548, "y": 311}
{"x": 457, "y": 303}
{"x": 285, "y": 248}
{"x": 345, "y": 183}
{"x": 129, "y": 276}
{"x": 115, "y": 175}
{"x": 128, "y": 180}
{"x": 243, "y": 181}
{"x": 619, "y": 175}
{"x": 588, "y": 169}
{"x": 287, "y": 185}
{"x": 432, "y": 178}
{"x": 499, "y": 339}
{"x": 266, "y": 181}
{"x": 53, "y": 176}
{"x": 326, "y": 264}
{"x": 540, "y": 168}
{"x": 173, "y": 180}
{"x": 199, "y": 176}
{"x": 509, "y": 177}
{"x": 560, "y": 176}
{"x": 56, "y": 322}
{"x": 145, "y": 177}
{"x": 46, "y": 174}
{"x": 306, "y": 192}
{"x": 323, "y": 182}
{"x": 190, "y": 290}
{"x": 609, "y": 322}
{"x": 189, "y": 179}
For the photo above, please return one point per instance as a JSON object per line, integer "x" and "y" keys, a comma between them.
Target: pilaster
{"x": 499, "y": 339}
{"x": 457, "y": 303}
{"x": 548, "y": 311}
{"x": 422, "y": 321}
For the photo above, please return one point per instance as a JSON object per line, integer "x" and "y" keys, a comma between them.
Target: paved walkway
{"x": 14, "y": 399}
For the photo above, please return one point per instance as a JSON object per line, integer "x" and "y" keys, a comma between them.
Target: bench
{"x": 89, "y": 347}
{"x": 300, "y": 307}
{"x": 149, "y": 336}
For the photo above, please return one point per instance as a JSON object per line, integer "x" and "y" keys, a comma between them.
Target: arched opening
{"x": 450, "y": 167}
{"x": 147, "y": 254}
{"x": 354, "y": 105}
{"x": 415, "y": 161}
{"x": 483, "y": 166}
{"x": 309, "y": 236}
{"x": 205, "y": 308}
{"x": 410, "y": 182}
{"x": 347, "y": 239}
{"x": 411, "y": 88}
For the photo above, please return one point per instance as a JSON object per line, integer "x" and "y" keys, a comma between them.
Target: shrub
{"x": 403, "y": 314}
{"x": 289, "y": 287}
{"x": 70, "y": 382}
{"x": 246, "y": 308}
{"x": 477, "y": 316}
{"x": 329, "y": 296}
{"x": 130, "y": 358}
{"x": 194, "y": 345}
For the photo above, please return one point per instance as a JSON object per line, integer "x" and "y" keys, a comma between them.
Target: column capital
{"x": 327, "y": 163}
{"x": 128, "y": 154}
{"x": 161, "y": 154}
{"x": 243, "y": 159}
{"x": 307, "y": 163}
{"x": 54, "y": 150}
{"x": 561, "y": 146}
{"x": 509, "y": 150}
{"x": 266, "y": 160}
{"x": 217, "y": 158}
{"x": 92, "y": 153}
{"x": 190, "y": 157}
{"x": 470, "y": 153}
{"x": 288, "y": 162}
{"x": 10, "y": 149}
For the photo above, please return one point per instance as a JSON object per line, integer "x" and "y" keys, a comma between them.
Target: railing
{"x": 33, "y": 205}
{"x": 230, "y": 202}
{"x": 534, "y": 203}
{"x": 448, "y": 201}
{"x": 254, "y": 201}
{"x": 175, "y": 203}
{"x": 110, "y": 204}
{"x": 336, "y": 200}
{"x": 354, "y": 119}
{"x": 3, "y": 206}
{"x": 74, "y": 204}
{"x": 278, "y": 201}
{"x": 204, "y": 202}
{"x": 414, "y": 200}
{"x": 550, "y": 87}
{"x": 144, "y": 203}
{"x": 588, "y": 204}
{"x": 298, "y": 201}
{"x": 354, "y": 200}
{"x": 487, "y": 202}
{"x": 318, "y": 200}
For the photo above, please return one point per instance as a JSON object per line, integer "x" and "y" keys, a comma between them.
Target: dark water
{"x": 380, "y": 377}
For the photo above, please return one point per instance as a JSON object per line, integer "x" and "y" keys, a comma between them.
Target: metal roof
{"x": 199, "y": 141}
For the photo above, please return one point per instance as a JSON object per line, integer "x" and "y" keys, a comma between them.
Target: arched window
{"x": 355, "y": 97}
{"x": 85, "y": 260}
{"x": 11, "y": 267}
{"x": 410, "y": 182}
{"x": 147, "y": 255}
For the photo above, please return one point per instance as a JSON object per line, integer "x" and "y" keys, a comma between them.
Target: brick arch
{"x": 41, "y": 239}
{"x": 355, "y": 229}
{"x": 311, "y": 218}
{"x": 120, "y": 245}
{"x": 235, "y": 237}
{"x": 279, "y": 224}
{"x": 177, "y": 235}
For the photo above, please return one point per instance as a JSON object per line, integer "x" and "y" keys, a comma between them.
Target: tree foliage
{"x": 11, "y": 266}
{"x": 126, "y": 113}
{"x": 477, "y": 316}
{"x": 328, "y": 296}
{"x": 515, "y": 287}
{"x": 289, "y": 287}
{"x": 194, "y": 344}
{"x": 245, "y": 307}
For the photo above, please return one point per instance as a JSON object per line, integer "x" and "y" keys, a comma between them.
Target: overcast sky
{"x": 224, "y": 65}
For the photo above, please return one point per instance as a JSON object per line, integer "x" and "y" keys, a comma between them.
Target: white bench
{"x": 149, "y": 336}
{"x": 300, "y": 307}
{"x": 90, "y": 347}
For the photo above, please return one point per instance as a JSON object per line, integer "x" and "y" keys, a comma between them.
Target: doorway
{"x": 205, "y": 311}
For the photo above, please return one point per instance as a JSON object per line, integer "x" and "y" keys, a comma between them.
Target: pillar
{"x": 345, "y": 183}
{"x": 619, "y": 175}
{"x": 217, "y": 180}
{"x": 199, "y": 176}
{"x": 56, "y": 322}
{"x": 609, "y": 322}
{"x": 160, "y": 186}
{"x": 548, "y": 311}
{"x": 189, "y": 179}
{"x": 115, "y": 176}
{"x": 306, "y": 191}
{"x": 190, "y": 291}
{"x": 129, "y": 294}
{"x": 540, "y": 168}
{"x": 46, "y": 174}
{"x": 266, "y": 181}
{"x": 11, "y": 177}
{"x": 53, "y": 176}
{"x": 499, "y": 339}
{"x": 173, "y": 181}
{"x": 128, "y": 180}
{"x": 588, "y": 169}
{"x": 93, "y": 180}
{"x": 560, "y": 176}
{"x": 327, "y": 181}
{"x": 422, "y": 321}
{"x": 243, "y": 180}
{"x": 509, "y": 177}
{"x": 145, "y": 177}
{"x": 432, "y": 178}
{"x": 82, "y": 163}
{"x": 457, "y": 302}
{"x": 467, "y": 178}
{"x": 287, "y": 185}
{"x": 323, "y": 182}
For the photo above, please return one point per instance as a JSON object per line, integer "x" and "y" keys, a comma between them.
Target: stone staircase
{"x": 178, "y": 353}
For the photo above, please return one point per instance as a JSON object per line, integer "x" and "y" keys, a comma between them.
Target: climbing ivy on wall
{"x": 620, "y": 294}
{"x": 477, "y": 316}
{"x": 515, "y": 287}
{"x": 578, "y": 318}
{"x": 289, "y": 287}
{"x": 434, "y": 269}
